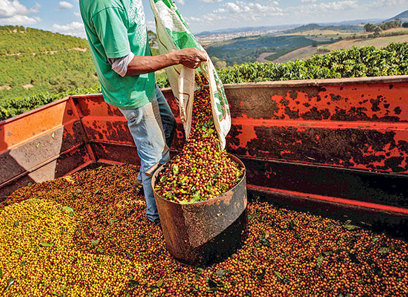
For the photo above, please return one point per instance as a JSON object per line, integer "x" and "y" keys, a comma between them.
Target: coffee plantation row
{"x": 355, "y": 62}
{"x": 24, "y": 40}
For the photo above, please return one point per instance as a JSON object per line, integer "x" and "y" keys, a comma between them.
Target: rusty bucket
{"x": 204, "y": 232}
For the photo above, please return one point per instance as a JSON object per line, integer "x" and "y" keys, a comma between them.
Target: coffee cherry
{"x": 106, "y": 247}
{"x": 204, "y": 171}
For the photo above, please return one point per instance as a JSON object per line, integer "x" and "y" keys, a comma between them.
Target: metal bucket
{"x": 205, "y": 232}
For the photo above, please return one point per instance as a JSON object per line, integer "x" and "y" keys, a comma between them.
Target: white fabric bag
{"x": 174, "y": 34}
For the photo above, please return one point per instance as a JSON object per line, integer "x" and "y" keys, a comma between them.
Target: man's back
{"x": 115, "y": 28}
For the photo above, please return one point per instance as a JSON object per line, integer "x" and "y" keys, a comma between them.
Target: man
{"x": 116, "y": 31}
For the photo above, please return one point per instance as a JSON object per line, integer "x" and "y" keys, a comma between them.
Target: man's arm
{"x": 112, "y": 33}
{"x": 189, "y": 57}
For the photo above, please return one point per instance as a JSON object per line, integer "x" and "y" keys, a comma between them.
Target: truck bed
{"x": 335, "y": 147}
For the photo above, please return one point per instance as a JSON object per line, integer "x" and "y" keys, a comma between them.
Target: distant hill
{"x": 244, "y": 29}
{"x": 352, "y": 22}
{"x": 305, "y": 28}
{"x": 351, "y": 25}
{"x": 339, "y": 25}
{"x": 36, "y": 61}
{"x": 309, "y": 51}
{"x": 309, "y": 27}
{"x": 403, "y": 16}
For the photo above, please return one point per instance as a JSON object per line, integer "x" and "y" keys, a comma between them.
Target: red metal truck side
{"x": 337, "y": 147}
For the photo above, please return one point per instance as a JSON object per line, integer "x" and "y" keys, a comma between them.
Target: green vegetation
{"x": 310, "y": 27}
{"x": 59, "y": 72}
{"x": 13, "y": 107}
{"x": 248, "y": 49}
{"x": 384, "y": 26}
{"x": 37, "y": 61}
{"x": 17, "y": 39}
{"x": 355, "y": 62}
{"x": 41, "y": 66}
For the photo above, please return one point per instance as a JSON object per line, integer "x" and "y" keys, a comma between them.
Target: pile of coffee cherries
{"x": 202, "y": 170}
{"x": 88, "y": 235}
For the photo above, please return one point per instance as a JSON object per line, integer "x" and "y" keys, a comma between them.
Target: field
{"x": 355, "y": 62}
{"x": 300, "y": 53}
{"x": 27, "y": 54}
{"x": 349, "y": 40}
{"x": 272, "y": 47}
{"x": 243, "y": 50}
{"x": 42, "y": 66}
{"x": 56, "y": 72}
{"x": 323, "y": 33}
{"x": 379, "y": 42}
{"x": 301, "y": 43}
{"x": 263, "y": 56}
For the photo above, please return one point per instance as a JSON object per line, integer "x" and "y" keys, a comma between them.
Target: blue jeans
{"x": 152, "y": 127}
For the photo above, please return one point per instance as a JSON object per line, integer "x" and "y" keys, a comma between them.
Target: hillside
{"x": 249, "y": 49}
{"x": 20, "y": 40}
{"x": 355, "y": 62}
{"x": 401, "y": 35}
{"x": 403, "y": 16}
{"x": 41, "y": 61}
{"x": 379, "y": 42}
{"x": 337, "y": 28}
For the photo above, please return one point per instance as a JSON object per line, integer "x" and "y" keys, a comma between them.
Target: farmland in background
{"x": 348, "y": 40}
{"x": 355, "y": 62}
{"x": 41, "y": 66}
{"x": 249, "y": 49}
{"x": 307, "y": 40}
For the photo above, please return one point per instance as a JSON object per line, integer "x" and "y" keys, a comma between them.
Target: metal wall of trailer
{"x": 336, "y": 147}
{"x": 41, "y": 145}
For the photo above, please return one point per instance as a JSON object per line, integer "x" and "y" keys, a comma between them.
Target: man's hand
{"x": 190, "y": 57}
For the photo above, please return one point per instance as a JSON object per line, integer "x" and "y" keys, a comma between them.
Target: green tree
{"x": 71, "y": 80}
{"x": 391, "y": 24}
{"x": 370, "y": 27}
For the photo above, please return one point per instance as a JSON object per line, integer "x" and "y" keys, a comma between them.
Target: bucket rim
{"x": 233, "y": 157}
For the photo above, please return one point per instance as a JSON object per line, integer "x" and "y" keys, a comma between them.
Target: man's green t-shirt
{"x": 115, "y": 28}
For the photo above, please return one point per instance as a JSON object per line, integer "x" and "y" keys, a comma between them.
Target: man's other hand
{"x": 190, "y": 57}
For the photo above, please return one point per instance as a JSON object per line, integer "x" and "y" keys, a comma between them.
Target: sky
{"x": 207, "y": 15}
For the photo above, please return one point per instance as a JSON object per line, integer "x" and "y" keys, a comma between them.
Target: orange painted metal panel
{"x": 357, "y": 123}
{"x": 51, "y": 168}
{"x": 111, "y": 129}
{"x": 362, "y": 99}
{"x": 28, "y": 126}
{"x": 364, "y": 102}
{"x": 90, "y": 105}
{"x": 380, "y": 147}
{"x": 346, "y": 128}
{"x": 31, "y": 144}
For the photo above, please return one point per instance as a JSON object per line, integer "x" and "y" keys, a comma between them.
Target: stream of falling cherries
{"x": 202, "y": 170}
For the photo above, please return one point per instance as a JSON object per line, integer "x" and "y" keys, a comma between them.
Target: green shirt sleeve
{"x": 112, "y": 32}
